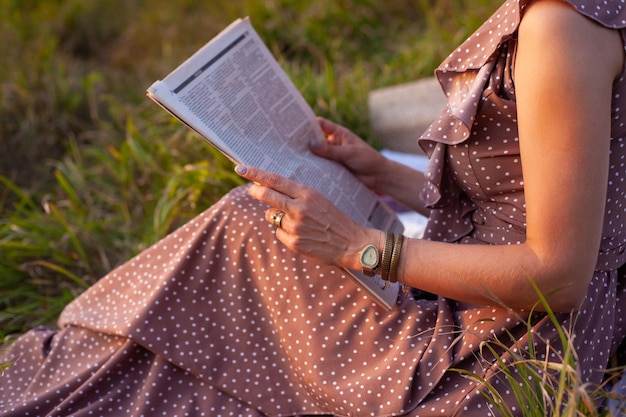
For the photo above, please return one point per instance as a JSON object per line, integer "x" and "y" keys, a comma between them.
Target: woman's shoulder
{"x": 556, "y": 32}
{"x": 504, "y": 23}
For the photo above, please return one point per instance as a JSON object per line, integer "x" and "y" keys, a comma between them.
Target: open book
{"x": 235, "y": 94}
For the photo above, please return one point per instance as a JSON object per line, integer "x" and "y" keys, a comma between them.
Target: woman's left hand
{"x": 311, "y": 225}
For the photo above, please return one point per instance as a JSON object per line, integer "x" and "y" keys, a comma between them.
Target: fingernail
{"x": 241, "y": 170}
{"x": 316, "y": 143}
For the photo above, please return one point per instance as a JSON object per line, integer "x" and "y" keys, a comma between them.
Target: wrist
{"x": 352, "y": 257}
{"x": 387, "y": 174}
{"x": 385, "y": 262}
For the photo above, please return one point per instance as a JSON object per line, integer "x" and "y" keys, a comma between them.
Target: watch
{"x": 370, "y": 260}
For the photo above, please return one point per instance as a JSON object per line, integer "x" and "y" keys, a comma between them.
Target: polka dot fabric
{"x": 219, "y": 319}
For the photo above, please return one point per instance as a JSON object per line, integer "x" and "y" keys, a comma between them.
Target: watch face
{"x": 370, "y": 256}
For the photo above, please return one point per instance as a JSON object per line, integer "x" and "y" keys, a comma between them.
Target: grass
{"x": 91, "y": 172}
{"x": 544, "y": 383}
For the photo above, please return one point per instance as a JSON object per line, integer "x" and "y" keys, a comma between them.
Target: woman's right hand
{"x": 343, "y": 146}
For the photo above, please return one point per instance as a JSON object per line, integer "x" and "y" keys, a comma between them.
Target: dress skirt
{"x": 219, "y": 318}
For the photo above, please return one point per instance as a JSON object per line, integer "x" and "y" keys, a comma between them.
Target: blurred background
{"x": 92, "y": 172}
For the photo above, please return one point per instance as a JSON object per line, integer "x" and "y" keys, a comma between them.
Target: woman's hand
{"x": 312, "y": 225}
{"x": 374, "y": 170}
{"x": 343, "y": 146}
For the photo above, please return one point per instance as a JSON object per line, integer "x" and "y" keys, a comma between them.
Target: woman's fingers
{"x": 301, "y": 204}
{"x": 276, "y": 217}
{"x": 335, "y": 133}
{"x": 327, "y": 126}
{"x": 269, "y": 187}
{"x": 305, "y": 221}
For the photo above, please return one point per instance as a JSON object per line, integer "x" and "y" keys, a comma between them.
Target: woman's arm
{"x": 565, "y": 67}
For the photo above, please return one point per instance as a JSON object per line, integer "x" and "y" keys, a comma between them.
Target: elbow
{"x": 563, "y": 291}
{"x": 564, "y": 300}
{"x": 560, "y": 279}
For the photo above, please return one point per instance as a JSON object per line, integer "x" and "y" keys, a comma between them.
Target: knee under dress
{"x": 218, "y": 318}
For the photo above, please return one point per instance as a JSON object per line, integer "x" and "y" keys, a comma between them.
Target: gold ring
{"x": 277, "y": 218}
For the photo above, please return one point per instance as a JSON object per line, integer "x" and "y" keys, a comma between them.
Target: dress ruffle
{"x": 462, "y": 76}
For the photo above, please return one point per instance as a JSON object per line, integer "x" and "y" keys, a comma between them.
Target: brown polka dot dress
{"x": 219, "y": 319}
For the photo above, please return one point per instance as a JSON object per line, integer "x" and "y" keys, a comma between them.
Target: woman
{"x": 230, "y": 315}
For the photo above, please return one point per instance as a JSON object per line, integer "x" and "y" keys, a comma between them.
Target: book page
{"x": 235, "y": 94}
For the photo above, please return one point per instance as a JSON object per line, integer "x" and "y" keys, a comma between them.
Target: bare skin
{"x": 565, "y": 68}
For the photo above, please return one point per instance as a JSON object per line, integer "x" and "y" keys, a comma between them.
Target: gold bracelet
{"x": 395, "y": 258}
{"x": 386, "y": 256}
